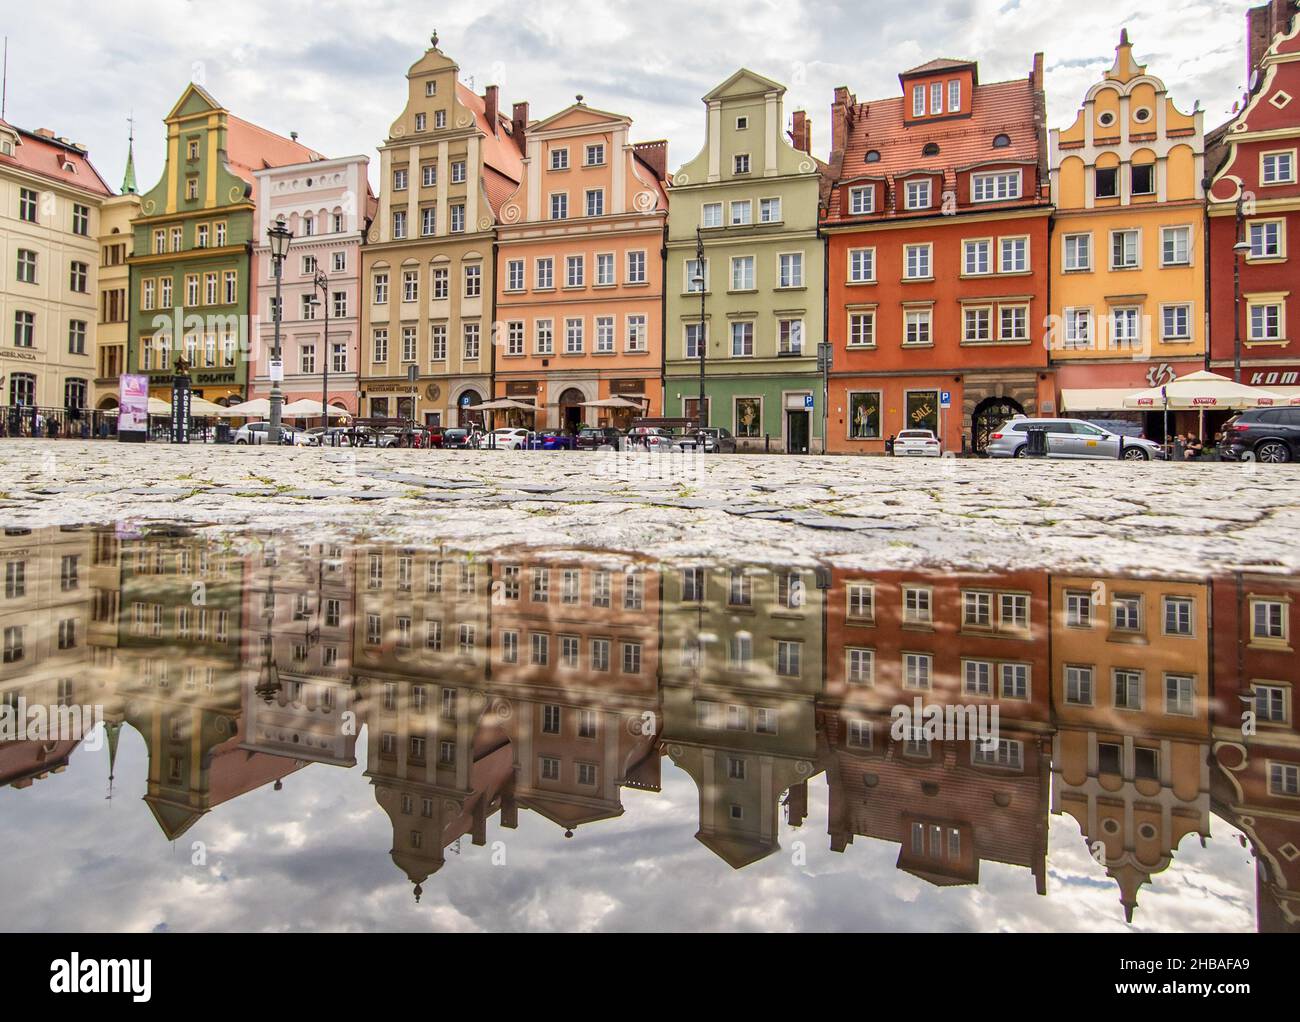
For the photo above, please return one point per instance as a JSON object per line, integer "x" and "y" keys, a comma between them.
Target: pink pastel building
{"x": 327, "y": 205}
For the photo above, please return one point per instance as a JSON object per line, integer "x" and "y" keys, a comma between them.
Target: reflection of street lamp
{"x": 698, "y": 282}
{"x": 268, "y": 680}
{"x": 279, "y": 236}
{"x": 1238, "y": 250}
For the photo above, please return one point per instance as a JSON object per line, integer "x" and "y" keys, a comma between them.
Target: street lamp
{"x": 698, "y": 281}
{"x": 1238, "y": 250}
{"x": 279, "y": 236}
{"x": 322, "y": 284}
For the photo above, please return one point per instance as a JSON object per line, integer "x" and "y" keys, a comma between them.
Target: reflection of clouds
{"x": 315, "y": 857}
{"x": 339, "y": 80}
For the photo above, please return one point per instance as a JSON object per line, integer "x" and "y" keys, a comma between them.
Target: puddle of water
{"x": 363, "y": 736}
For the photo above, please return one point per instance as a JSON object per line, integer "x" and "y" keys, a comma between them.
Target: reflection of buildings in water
{"x": 296, "y": 652}
{"x": 973, "y": 641}
{"x": 178, "y": 675}
{"x": 1256, "y": 765}
{"x": 420, "y": 660}
{"x": 551, "y": 681}
{"x": 1130, "y": 691}
{"x": 574, "y": 680}
{"x": 742, "y": 668}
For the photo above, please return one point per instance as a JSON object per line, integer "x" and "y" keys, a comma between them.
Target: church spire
{"x": 128, "y": 181}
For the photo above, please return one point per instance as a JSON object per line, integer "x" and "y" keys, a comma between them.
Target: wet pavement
{"x": 303, "y": 731}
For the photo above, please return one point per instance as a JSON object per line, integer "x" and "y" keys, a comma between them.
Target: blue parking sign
{"x": 945, "y": 399}
{"x": 808, "y": 401}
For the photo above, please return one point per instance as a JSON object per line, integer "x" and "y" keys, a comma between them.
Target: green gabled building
{"x": 193, "y": 268}
{"x": 753, "y": 197}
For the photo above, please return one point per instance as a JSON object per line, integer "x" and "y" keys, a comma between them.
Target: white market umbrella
{"x": 157, "y": 406}
{"x": 259, "y": 408}
{"x": 504, "y": 404}
{"x": 307, "y": 408}
{"x": 1200, "y": 391}
{"x": 203, "y": 408}
{"x": 613, "y": 402}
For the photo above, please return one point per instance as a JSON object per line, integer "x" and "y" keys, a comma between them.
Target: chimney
{"x": 844, "y": 101}
{"x": 1262, "y": 24}
{"x": 519, "y": 125}
{"x": 44, "y": 133}
{"x": 1036, "y": 75}
{"x": 293, "y": 136}
{"x": 655, "y": 156}
{"x": 491, "y": 99}
{"x": 801, "y": 133}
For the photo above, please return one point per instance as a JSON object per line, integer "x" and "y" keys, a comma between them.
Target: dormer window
{"x": 1002, "y": 142}
{"x": 931, "y": 149}
{"x": 873, "y": 156}
{"x": 936, "y": 98}
{"x": 918, "y": 195}
{"x": 954, "y": 95}
{"x": 918, "y": 100}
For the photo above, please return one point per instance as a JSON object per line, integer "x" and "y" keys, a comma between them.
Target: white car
{"x": 917, "y": 443}
{"x": 258, "y": 433}
{"x": 509, "y": 439}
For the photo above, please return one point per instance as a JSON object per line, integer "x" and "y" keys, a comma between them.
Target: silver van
{"x": 1069, "y": 438}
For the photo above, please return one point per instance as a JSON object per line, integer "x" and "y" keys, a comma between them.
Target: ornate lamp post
{"x": 279, "y": 236}
{"x": 1242, "y": 247}
{"x": 698, "y": 281}
{"x": 322, "y": 284}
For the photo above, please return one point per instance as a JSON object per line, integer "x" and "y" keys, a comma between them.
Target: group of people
{"x": 1187, "y": 447}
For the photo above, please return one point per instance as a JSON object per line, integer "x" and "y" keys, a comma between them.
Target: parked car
{"x": 1270, "y": 435}
{"x": 710, "y": 440}
{"x": 507, "y": 439}
{"x": 1069, "y": 438}
{"x": 260, "y": 432}
{"x": 917, "y": 443}
{"x": 549, "y": 441}
{"x": 650, "y": 438}
{"x": 601, "y": 438}
{"x": 458, "y": 438}
{"x": 335, "y": 436}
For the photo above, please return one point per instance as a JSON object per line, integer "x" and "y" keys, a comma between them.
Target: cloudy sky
{"x": 333, "y": 70}
{"x": 315, "y": 856}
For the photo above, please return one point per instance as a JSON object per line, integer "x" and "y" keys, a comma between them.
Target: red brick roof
{"x": 58, "y": 161}
{"x": 933, "y": 66}
{"x": 998, "y": 108}
{"x": 250, "y": 148}
{"x": 502, "y": 162}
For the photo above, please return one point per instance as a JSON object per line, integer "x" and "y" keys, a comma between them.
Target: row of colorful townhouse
{"x": 959, "y": 263}
{"x": 552, "y": 680}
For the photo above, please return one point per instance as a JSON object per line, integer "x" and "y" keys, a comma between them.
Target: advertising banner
{"x": 133, "y": 407}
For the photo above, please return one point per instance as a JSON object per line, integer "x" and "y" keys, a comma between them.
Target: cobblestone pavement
{"x": 1102, "y": 516}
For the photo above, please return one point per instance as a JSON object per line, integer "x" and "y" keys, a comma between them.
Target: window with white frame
{"x": 1265, "y": 238}
{"x": 1176, "y": 322}
{"x": 789, "y": 333}
{"x": 1265, "y": 321}
{"x": 560, "y": 206}
{"x": 1128, "y": 688}
{"x": 1125, "y": 250}
{"x": 711, "y": 215}
{"x": 636, "y": 333}
{"x": 954, "y": 96}
{"x": 573, "y": 336}
{"x": 769, "y": 211}
{"x": 1277, "y": 168}
{"x": 560, "y": 158}
{"x": 636, "y": 267}
{"x": 740, "y": 163}
{"x": 916, "y": 326}
{"x": 742, "y": 212}
{"x": 1077, "y": 326}
{"x": 1272, "y": 703}
{"x": 574, "y": 271}
{"x": 999, "y": 186}
{"x": 742, "y": 273}
{"x": 862, "y": 329}
{"x": 604, "y": 335}
{"x": 790, "y": 269}
{"x": 544, "y": 272}
{"x": 977, "y": 257}
{"x": 515, "y": 337}
{"x": 917, "y": 670}
{"x": 742, "y": 339}
{"x": 1013, "y": 255}
{"x": 862, "y": 265}
{"x": 862, "y": 200}
{"x": 977, "y": 324}
{"x": 1013, "y": 323}
{"x": 515, "y": 275}
{"x": 918, "y": 100}
{"x": 1078, "y": 685}
{"x": 697, "y": 275}
{"x": 594, "y": 154}
{"x": 1176, "y": 246}
{"x": 1125, "y": 327}
{"x": 605, "y": 273}
{"x": 1077, "y": 252}
{"x": 917, "y": 262}
{"x": 936, "y": 97}
{"x": 595, "y": 202}
{"x": 543, "y": 337}
{"x": 1180, "y": 695}
{"x": 917, "y": 606}
{"x": 917, "y": 195}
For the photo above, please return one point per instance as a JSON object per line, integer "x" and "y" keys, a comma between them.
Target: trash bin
{"x": 1037, "y": 446}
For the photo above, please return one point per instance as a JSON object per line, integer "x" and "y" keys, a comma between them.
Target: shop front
{"x": 764, "y": 413}
{"x": 1096, "y": 391}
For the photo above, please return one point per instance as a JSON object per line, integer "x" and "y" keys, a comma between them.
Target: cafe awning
{"x": 1202, "y": 391}
{"x": 1098, "y": 399}
{"x": 504, "y": 404}
{"x": 614, "y": 402}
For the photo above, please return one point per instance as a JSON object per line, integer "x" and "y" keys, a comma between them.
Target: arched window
{"x": 931, "y": 149}
{"x": 873, "y": 156}
{"x": 1001, "y": 141}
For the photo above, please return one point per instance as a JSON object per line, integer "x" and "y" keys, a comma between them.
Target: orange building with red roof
{"x": 937, "y": 232}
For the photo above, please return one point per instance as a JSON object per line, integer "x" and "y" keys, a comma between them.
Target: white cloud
{"x": 334, "y": 70}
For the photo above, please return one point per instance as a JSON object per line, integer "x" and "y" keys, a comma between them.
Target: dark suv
{"x": 595, "y": 438}
{"x": 1270, "y": 435}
